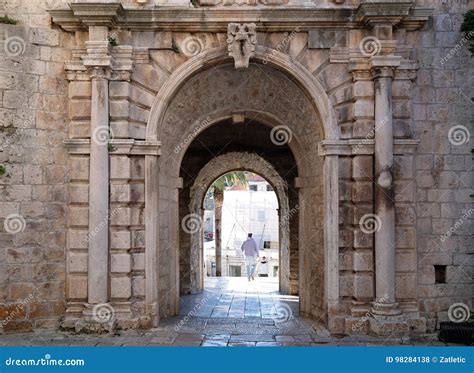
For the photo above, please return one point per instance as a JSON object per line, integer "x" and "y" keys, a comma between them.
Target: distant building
{"x": 251, "y": 208}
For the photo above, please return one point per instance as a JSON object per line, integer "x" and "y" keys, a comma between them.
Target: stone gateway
{"x": 117, "y": 116}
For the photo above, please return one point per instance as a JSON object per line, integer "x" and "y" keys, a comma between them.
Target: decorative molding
{"x": 216, "y": 19}
{"x": 98, "y": 14}
{"x": 241, "y": 40}
{"x": 363, "y": 147}
{"x": 407, "y": 70}
{"x": 242, "y": 2}
{"x": 99, "y": 60}
{"x": 119, "y": 147}
{"x": 383, "y": 12}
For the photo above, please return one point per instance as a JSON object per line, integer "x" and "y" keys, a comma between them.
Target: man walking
{"x": 250, "y": 250}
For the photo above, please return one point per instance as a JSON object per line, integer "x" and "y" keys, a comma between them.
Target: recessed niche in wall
{"x": 440, "y": 274}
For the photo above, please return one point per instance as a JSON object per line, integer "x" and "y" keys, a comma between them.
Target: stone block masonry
{"x": 94, "y": 153}
{"x": 34, "y": 190}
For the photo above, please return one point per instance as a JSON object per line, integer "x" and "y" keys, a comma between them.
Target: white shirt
{"x": 263, "y": 268}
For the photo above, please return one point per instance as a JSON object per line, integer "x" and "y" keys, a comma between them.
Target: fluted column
{"x": 384, "y": 191}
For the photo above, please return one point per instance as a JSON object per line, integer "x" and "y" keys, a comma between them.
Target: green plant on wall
{"x": 7, "y": 20}
{"x": 174, "y": 47}
{"x": 3, "y": 170}
{"x": 467, "y": 28}
{"x": 112, "y": 41}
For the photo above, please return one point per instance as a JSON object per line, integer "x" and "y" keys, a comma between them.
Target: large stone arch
{"x": 214, "y": 169}
{"x": 263, "y": 55}
{"x": 316, "y": 123}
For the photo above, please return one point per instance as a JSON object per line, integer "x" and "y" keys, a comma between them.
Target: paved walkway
{"x": 230, "y": 312}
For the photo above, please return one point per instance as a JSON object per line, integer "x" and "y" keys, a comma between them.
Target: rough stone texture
{"x": 442, "y": 98}
{"x": 45, "y": 265}
{"x": 33, "y": 92}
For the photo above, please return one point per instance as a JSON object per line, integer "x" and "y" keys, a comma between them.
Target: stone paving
{"x": 230, "y": 312}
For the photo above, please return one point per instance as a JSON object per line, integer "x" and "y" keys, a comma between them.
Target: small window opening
{"x": 440, "y": 274}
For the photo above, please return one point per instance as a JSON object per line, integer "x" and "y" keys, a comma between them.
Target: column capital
{"x": 382, "y": 72}
{"x": 384, "y": 66}
{"x": 99, "y": 72}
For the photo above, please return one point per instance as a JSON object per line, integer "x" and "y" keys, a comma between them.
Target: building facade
{"x": 116, "y": 116}
{"x": 251, "y": 208}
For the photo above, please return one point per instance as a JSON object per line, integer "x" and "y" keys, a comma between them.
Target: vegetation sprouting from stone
{"x": 7, "y": 20}
{"x": 467, "y": 28}
{"x": 112, "y": 41}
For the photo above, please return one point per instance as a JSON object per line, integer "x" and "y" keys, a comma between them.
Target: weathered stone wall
{"x": 442, "y": 99}
{"x": 33, "y": 189}
{"x": 49, "y": 189}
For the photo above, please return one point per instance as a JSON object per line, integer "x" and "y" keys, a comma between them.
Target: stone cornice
{"x": 283, "y": 18}
{"x": 118, "y": 147}
{"x": 377, "y": 11}
{"x": 363, "y": 146}
{"x": 97, "y": 14}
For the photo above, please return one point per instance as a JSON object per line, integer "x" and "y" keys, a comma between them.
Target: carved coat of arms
{"x": 241, "y": 40}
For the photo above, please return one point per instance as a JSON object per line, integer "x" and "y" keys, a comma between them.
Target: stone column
{"x": 384, "y": 189}
{"x": 98, "y": 62}
{"x": 99, "y": 190}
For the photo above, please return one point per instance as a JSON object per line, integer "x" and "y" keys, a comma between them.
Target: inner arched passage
{"x": 191, "y": 244}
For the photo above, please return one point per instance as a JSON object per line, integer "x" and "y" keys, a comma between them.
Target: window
{"x": 266, "y": 244}
{"x": 235, "y": 271}
{"x": 440, "y": 274}
{"x": 261, "y": 216}
{"x": 269, "y": 188}
{"x": 253, "y": 187}
{"x": 275, "y": 271}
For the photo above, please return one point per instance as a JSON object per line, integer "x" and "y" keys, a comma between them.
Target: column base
{"x": 97, "y": 319}
{"x": 389, "y": 326}
{"x": 108, "y": 317}
{"x": 386, "y": 309}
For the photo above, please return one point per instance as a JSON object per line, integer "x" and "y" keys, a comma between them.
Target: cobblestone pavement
{"x": 230, "y": 312}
